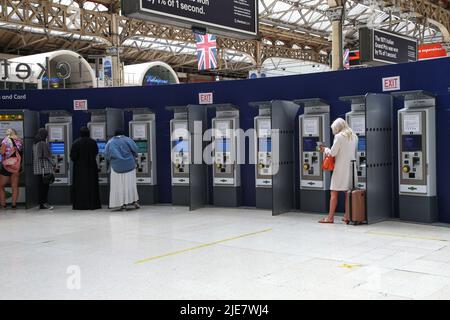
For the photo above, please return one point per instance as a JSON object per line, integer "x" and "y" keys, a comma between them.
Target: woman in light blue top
{"x": 121, "y": 153}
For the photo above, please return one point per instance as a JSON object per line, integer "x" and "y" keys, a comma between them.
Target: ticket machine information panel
{"x": 180, "y": 152}
{"x": 142, "y": 132}
{"x": 224, "y": 146}
{"x": 357, "y": 121}
{"x": 98, "y": 133}
{"x": 311, "y": 136}
{"x": 413, "y": 152}
{"x": 264, "y": 169}
{"x": 59, "y": 138}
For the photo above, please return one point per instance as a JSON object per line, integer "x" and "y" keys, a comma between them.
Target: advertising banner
{"x": 107, "y": 71}
{"x": 231, "y": 17}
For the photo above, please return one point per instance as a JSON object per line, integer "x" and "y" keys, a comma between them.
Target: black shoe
{"x": 45, "y": 206}
{"x": 14, "y": 207}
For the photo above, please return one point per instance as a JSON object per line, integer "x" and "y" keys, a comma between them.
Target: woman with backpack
{"x": 11, "y": 153}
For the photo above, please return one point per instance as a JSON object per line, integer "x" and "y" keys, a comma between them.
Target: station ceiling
{"x": 289, "y": 29}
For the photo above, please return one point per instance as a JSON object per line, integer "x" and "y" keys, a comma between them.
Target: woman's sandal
{"x": 326, "y": 220}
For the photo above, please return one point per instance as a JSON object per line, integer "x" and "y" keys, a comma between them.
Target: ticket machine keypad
{"x": 222, "y": 156}
{"x": 101, "y": 160}
{"x": 265, "y": 163}
{"x": 412, "y": 165}
{"x": 180, "y": 157}
{"x": 142, "y": 163}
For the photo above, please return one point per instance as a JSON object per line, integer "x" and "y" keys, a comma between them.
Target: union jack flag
{"x": 206, "y": 51}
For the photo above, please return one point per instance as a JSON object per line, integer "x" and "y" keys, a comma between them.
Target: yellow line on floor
{"x": 399, "y": 235}
{"x": 203, "y": 246}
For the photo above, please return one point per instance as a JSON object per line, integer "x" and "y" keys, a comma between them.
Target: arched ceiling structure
{"x": 289, "y": 29}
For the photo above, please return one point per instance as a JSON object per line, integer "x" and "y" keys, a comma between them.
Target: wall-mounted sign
{"x": 431, "y": 51}
{"x": 381, "y": 47}
{"x": 391, "y": 83}
{"x": 206, "y": 98}
{"x": 238, "y": 18}
{"x": 80, "y": 105}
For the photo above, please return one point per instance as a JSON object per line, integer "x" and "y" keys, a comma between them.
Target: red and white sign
{"x": 431, "y": 51}
{"x": 391, "y": 83}
{"x": 80, "y": 105}
{"x": 205, "y": 98}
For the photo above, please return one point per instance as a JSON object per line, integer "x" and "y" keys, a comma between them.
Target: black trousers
{"x": 43, "y": 191}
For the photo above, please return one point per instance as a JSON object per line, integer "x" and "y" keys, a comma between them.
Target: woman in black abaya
{"x": 85, "y": 172}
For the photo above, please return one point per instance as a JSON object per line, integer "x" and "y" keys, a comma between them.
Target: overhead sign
{"x": 431, "y": 51}
{"x": 391, "y": 83}
{"x": 238, "y": 18}
{"x": 381, "y": 47}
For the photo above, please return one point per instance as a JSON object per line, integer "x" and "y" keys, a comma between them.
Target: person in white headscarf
{"x": 344, "y": 151}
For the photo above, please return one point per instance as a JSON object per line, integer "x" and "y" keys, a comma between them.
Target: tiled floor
{"x": 216, "y": 254}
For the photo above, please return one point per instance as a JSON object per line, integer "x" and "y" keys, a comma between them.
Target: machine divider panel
{"x": 379, "y": 187}
{"x": 198, "y": 182}
{"x": 283, "y": 180}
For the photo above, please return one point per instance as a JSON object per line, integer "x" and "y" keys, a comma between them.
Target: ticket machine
{"x": 103, "y": 124}
{"x": 356, "y": 119}
{"x": 417, "y": 157}
{"x": 26, "y": 124}
{"x": 314, "y": 129}
{"x": 143, "y": 132}
{"x": 263, "y": 155}
{"x": 180, "y": 156}
{"x": 59, "y": 129}
{"x": 226, "y": 170}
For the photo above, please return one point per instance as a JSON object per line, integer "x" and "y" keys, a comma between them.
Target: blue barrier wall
{"x": 433, "y": 76}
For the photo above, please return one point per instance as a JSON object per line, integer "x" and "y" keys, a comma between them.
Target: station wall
{"x": 432, "y": 75}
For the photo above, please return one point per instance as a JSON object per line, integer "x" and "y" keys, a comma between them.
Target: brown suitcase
{"x": 356, "y": 203}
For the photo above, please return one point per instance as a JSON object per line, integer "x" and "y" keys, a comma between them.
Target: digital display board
{"x": 57, "y": 147}
{"x": 361, "y": 144}
{"x": 223, "y": 145}
{"x": 412, "y": 143}
{"x": 101, "y": 146}
{"x": 180, "y": 146}
{"x": 382, "y": 47}
{"x": 142, "y": 146}
{"x": 310, "y": 144}
{"x": 238, "y": 18}
{"x": 265, "y": 145}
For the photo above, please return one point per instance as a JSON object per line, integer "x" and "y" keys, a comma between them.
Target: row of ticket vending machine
{"x": 416, "y": 153}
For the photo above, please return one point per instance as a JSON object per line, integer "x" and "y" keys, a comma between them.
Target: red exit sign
{"x": 80, "y": 105}
{"x": 391, "y": 83}
{"x": 205, "y": 98}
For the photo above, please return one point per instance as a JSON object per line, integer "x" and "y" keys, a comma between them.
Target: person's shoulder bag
{"x": 47, "y": 178}
{"x": 13, "y": 164}
{"x": 328, "y": 163}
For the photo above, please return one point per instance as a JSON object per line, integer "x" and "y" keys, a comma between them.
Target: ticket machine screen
{"x": 265, "y": 145}
{"x": 223, "y": 145}
{"x": 142, "y": 146}
{"x": 101, "y": 147}
{"x": 310, "y": 144}
{"x": 180, "y": 146}
{"x": 361, "y": 144}
{"x": 57, "y": 148}
{"x": 412, "y": 143}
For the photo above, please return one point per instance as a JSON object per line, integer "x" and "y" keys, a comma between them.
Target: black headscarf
{"x": 41, "y": 135}
{"x": 84, "y": 132}
{"x": 119, "y": 132}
